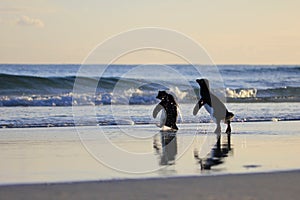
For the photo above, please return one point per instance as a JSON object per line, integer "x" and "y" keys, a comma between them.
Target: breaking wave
{"x": 19, "y": 90}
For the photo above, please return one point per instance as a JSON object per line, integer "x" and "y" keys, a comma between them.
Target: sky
{"x": 231, "y": 31}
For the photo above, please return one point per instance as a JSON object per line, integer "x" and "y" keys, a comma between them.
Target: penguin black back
{"x": 204, "y": 90}
{"x": 169, "y": 104}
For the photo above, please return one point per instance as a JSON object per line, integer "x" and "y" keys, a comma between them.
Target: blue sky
{"x": 232, "y": 31}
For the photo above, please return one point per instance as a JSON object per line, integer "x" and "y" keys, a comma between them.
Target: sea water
{"x": 44, "y": 95}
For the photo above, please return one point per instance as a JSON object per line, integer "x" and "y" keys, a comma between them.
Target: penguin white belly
{"x": 210, "y": 110}
{"x": 163, "y": 118}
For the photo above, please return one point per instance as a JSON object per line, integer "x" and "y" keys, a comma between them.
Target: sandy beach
{"x": 280, "y": 185}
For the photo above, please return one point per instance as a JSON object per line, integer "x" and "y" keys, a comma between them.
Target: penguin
{"x": 169, "y": 107}
{"x": 213, "y": 105}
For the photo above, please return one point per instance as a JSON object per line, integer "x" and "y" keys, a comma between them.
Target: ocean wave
{"x": 137, "y": 96}
{"x": 17, "y": 90}
{"x": 281, "y": 94}
{"x": 20, "y": 84}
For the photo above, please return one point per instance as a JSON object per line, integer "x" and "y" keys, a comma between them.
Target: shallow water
{"x": 22, "y": 117}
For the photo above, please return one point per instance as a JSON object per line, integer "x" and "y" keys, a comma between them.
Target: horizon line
{"x": 248, "y": 64}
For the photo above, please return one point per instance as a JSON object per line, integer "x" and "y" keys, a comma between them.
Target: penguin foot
{"x": 229, "y": 117}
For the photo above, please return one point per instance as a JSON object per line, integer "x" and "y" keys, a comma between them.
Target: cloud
{"x": 27, "y": 21}
{"x": 9, "y": 10}
{"x": 26, "y": 9}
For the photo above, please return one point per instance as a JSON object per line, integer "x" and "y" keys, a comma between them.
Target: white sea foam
{"x": 178, "y": 93}
{"x": 241, "y": 93}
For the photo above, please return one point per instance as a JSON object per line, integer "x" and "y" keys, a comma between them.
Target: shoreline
{"x": 273, "y": 120}
{"x": 44, "y": 117}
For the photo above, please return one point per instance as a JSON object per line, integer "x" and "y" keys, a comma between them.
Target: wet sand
{"x": 54, "y": 163}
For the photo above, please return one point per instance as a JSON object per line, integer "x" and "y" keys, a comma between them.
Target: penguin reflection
{"x": 216, "y": 155}
{"x": 168, "y": 148}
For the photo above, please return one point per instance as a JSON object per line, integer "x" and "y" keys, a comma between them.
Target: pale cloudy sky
{"x": 232, "y": 31}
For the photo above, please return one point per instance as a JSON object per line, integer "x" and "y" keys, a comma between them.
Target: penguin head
{"x": 162, "y": 95}
{"x": 204, "y": 83}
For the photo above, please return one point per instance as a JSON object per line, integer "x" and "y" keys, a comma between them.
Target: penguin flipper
{"x": 156, "y": 110}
